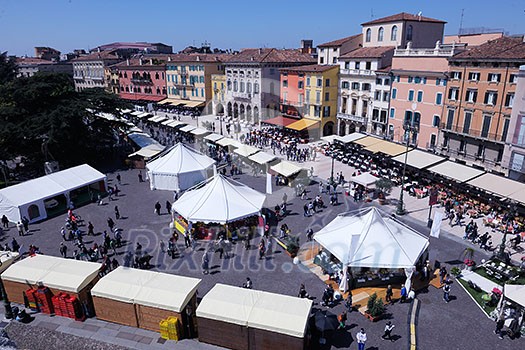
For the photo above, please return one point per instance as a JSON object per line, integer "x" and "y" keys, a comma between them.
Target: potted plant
{"x": 384, "y": 187}
{"x": 375, "y": 308}
{"x": 468, "y": 258}
{"x": 455, "y": 271}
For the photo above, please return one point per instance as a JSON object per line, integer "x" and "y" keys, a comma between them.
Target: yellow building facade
{"x": 218, "y": 84}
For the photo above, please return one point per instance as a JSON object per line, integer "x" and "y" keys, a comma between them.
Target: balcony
{"x": 288, "y": 102}
{"x": 472, "y": 133}
{"x": 365, "y": 72}
{"x": 141, "y": 81}
{"x": 354, "y": 118}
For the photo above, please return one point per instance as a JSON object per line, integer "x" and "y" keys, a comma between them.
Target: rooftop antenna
{"x": 461, "y": 23}
{"x": 371, "y": 13}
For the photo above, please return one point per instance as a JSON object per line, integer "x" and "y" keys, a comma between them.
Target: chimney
{"x": 260, "y": 51}
{"x": 169, "y": 58}
{"x": 198, "y": 58}
{"x": 140, "y": 61}
{"x": 127, "y": 62}
{"x": 151, "y": 61}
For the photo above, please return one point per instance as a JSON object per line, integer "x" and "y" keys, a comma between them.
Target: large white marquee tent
{"x": 179, "y": 169}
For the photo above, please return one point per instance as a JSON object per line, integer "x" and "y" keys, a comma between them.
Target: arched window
{"x": 229, "y": 83}
{"x": 368, "y": 35}
{"x": 249, "y": 87}
{"x": 409, "y": 32}
{"x": 393, "y": 35}
{"x": 380, "y": 34}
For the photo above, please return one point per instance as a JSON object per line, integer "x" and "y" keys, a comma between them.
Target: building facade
{"x": 357, "y": 81}
{"x": 479, "y": 100}
{"x": 88, "y": 71}
{"x": 142, "y": 79}
{"x": 328, "y": 53}
{"x": 253, "y": 81}
{"x": 400, "y": 29}
{"x": 218, "y": 92}
{"x": 111, "y": 75}
{"x": 514, "y": 152}
{"x": 418, "y": 93}
{"x": 124, "y": 49}
{"x": 29, "y": 66}
{"x": 188, "y": 77}
{"x": 310, "y": 92}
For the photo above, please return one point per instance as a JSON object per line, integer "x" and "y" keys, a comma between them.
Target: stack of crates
{"x": 59, "y": 303}
{"x": 68, "y": 306}
{"x": 43, "y": 298}
{"x": 169, "y": 328}
{"x": 31, "y": 300}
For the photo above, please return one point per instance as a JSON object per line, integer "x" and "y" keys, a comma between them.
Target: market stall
{"x": 6, "y": 259}
{"x": 375, "y": 247}
{"x": 366, "y": 180}
{"x": 245, "y": 319}
{"x": 141, "y": 298}
{"x": 287, "y": 173}
{"x": 74, "y": 277}
{"x": 179, "y": 169}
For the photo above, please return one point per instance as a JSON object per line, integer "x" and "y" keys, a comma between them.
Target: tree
{"x": 8, "y": 68}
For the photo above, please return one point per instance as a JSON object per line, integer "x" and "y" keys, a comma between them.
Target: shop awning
{"x": 331, "y": 138}
{"x": 157, "y": 119}
{"x": 280, "y": 121}
{"x": 246, "y": 150}
{"x": 213, "y": 137}
{"x": 194, "y": 104}
{"x": 518, "y": 196}
{"x": 173, "y": 102}
{"x": 199, "y": 131}
{"x": 455, "y": 171}
{"x": 140, "y": 97}
{"x": 352, "y": 137}
{"x": 498, "y": 185}
{"x": 187, "y": 128}
{"x": 285, "y": 168}
{"x": 262, "y": 158}
{"x": 148, "y": 152}
{"x": 419, "y": 159}
{"x": 144, "y": 115}
{"x": 126, "y": 111}
{"x": 164, "y": 102}
{"x": 166, "y": 122}
{"x": 367, "y": 141}
{"x": 365, "y": 179}
{"x": 387, "y": 147}
{"x": 228, "y": 142}
{"x": 303, "y": 124}
{"x": 136, "y": 113}
{"x": 176, "y": 123}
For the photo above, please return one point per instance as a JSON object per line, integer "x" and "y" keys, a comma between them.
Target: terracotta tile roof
{"x": 339, "y": 42}
{"x": 147, "y": 63}
{"x": 141, "y": 97}
{"x": 270, "y": 55}
{"x": 95, "y": 56}
{"x": 403, "y": 16}
{"x": 199, "y": 57}
{"x": 21, "y": 61}
{"x": 309, "y": 68}
{"x": 504, "y": 48}
{"x": 386, "y": 69}
{"x": 369, "y": 52}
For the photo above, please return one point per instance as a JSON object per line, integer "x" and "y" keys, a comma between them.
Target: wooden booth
{"x": 246, "y": 319}
{"x": 141, "y": 298}
{"x": 70, "y": 276}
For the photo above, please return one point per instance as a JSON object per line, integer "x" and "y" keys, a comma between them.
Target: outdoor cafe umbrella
{"x": 325, "y": 321}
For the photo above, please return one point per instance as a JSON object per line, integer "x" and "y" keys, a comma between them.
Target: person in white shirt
{"x": 361, "y": 339}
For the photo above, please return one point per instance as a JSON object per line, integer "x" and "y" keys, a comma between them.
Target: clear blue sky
{"x": 69, "y": 24}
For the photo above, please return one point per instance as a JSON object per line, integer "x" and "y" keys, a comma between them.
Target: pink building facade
{"x": 418, "y": 94}
{"x": 142, "y": 79}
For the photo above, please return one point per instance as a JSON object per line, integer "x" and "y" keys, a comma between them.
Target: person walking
{"x": 442, "y": 274}
{"x": 361, "y": 339}
{"x": 157, "y": 208}
{"x": 309, "y": 234}
{"x": 389, "y": 294}
{"x": 446, "y": 292}
{"x": 111, "y": 223}
{"x": 499, "y": 327}
{"x": 141, "y": 179}
{"x": 205, "y": 263}
{"x": 63, "y": 250}
{"x": 261, "y": 249}
{"x": 342, "y": 320}
{"x": 63, "y": 232}
{"x": 90, "y": 228}
{"x": 117, "y": 212}
{"x": 15, "y": 247}
{"x": 118, "y": 178}
{"x": 20, "y": 228}
{"x": 168, "y": 207}
{"x": 388, "y": 331}
{"x": 269, "y": 247}
{"x": 5, "y": 221}
{"x": 25, "y": 223}
{"x": 348, "y": 302}
{"x": 404, "y": 294}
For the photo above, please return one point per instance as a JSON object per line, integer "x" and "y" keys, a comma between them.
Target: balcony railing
{"x": 351, "y": 117}
{"x": 366, "y": 72}
{"x": 291, "y": 103}
{"x": 141, "y": 81}
{"x": 472, "y": 133}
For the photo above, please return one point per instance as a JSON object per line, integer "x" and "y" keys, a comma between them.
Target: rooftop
{"x": 142, "y": 62}
{"x": 504, "y": 48}
{"x": 126, "y": 45}
{"x": 368, "y": 52}
{"x": 403, "y": 16}
{"x": 271, "y": 55}
{"x": 21, "y": 61}
{"x": 310, "y": 68}
{"x": 339, "y": 42}
{"x": 199, "y": 57}
{"x": 103, "y": 55}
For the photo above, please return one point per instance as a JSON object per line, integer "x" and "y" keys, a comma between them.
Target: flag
{"x": 268, "y": 183}
{"x": 436, "y": 225}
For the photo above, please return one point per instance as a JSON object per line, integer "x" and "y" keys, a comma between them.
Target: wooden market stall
{"x": 245, "y": 319}
{"x": 70, "y": 276}
{"x": 140, "y": 298}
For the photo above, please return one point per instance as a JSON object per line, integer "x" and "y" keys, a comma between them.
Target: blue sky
{"x": 69, "y": 24}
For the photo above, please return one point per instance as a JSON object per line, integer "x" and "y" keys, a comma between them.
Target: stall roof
{"x": 518, "y": 196}
{"x": 498, "y": 185}
{"x": 148, "y": 288}
{"x": 142, "y": 139}
{"x": 167, "y": 122}
{"x": 331, "y": 138}
{"x": 179, "y": 159}
{"x": 246, "y": 150}
{"x": 516, "y": 293}
{"x": 194, "y": 104}
{"x": 58, "y": 273}
{"x": 364, "y": 179}
{"x": 262, "y": 157}
{"x": 285, "y": 168}
{"x": 157, "y": 119}
{"x": 187, "y": 128}
{"x": 148, "y": 151}
{"x": 7, "y": 258}
{"x": 228, "y": 142}
{"x": 367, "y": 141}
{"x": 199, "y": 131}
{"x": 280, "y": 121}
{"x": 419, "y": 159}
{"x": 387, "y": 147}
{"x": 256, "y": 309}
{"x": 176, "y": 123}
{"x": 352, "y": 137}
{"x": 302, "y": 124}
{"x": 455, "y": 171}
{"x": 126, "y": 111}
{"x": 136, "y": 113}
{"x": 213, "y": 137}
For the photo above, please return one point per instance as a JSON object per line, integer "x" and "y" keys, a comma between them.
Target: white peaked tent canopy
{"x": 221, "y": 200}
{"x": 370, "y": 238}
{"x": 179, "y": 169}
{"x": 365, "y": 179}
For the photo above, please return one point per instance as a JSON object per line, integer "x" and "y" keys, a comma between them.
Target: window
{"x": 285, "y": 96}
{"x": 357, "y": 65}
{"x": 366, "y": 87}
{"x": 494, "y": 77}
{"x": 436, "y": 121}
{"x": 424, "y": 80}
{"x": 386, "y": 96}
{"x": 285, "y": 83}
{"x": 255, "y": 88}
{"x": 513, "y": 78}
{"x": 242, "y": 86}
{"x": 410, "y": 79}
{"x": 394, "y": 94}
{"x": 420, "y": 96}
{"x": 229, "y": 83}
{"x": 345, "y": 85}
{"x": 317, "y": 111}
{"x": 393, "y": 35}
{"x": 355, "y": 86}
{"x": 509, "y": 100}
{"x": 450, "y": 119}
{"x": 517, "y": 161}
{"x": 380, "y": 34}
{"x": 409, "y": 32}
{"x": 486, "y": 126}
{"x": 386, "y": 82}
{"x": 319, "y": 82}
{"x": 327, "y": 96}
{"x": 411, "y": 95}
{"x": 473, "y": 76}
{"x": 417, "y": 80}
{"x": 326, "y": 111}
{"x": 453, "y": 94}
{"x": 377, "y": 95}
{"x": 439, "y": 98}
{"x": 456, "y": 75}
{"x": 472, "y": 95}
{"x": 249, "y": 87}
{"x": 301, "y": 99}
{"x": 235, "y": 86}
{"x": 327, "y": 82}
{"x": 347, "y": 65}
{"x": 368, "y": 65}
{"x": 321, "y": 60}
{"x": 505, "y": 129}
{"x": 392, "y": 113}
{"x": 300, "y": 84}
{"x": 307, "y": 81}
{"x": 491, "y": 97}
{"x": 317, "y": 97}
{"x": 466, "y": 122}
{"x": 307, "y": 94}
{"x": 334, "y": 60}
{"x": 438, "y": 81}
{"x": 368, "y": 35}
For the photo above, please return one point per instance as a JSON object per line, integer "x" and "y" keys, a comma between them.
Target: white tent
{"x": 29, "y": 198}
{"x": 516, "y": 293}
{"x": 221, "y": 200}
{"x": 383, "y": 242}
{"x": 285, "y": 168}
{"x": 365, "y": 179}
{"x": 179, "y": 169}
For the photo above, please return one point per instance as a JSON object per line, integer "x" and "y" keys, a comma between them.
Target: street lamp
{"x": 410, "y": 129}
{"x": 502, "y": 255}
